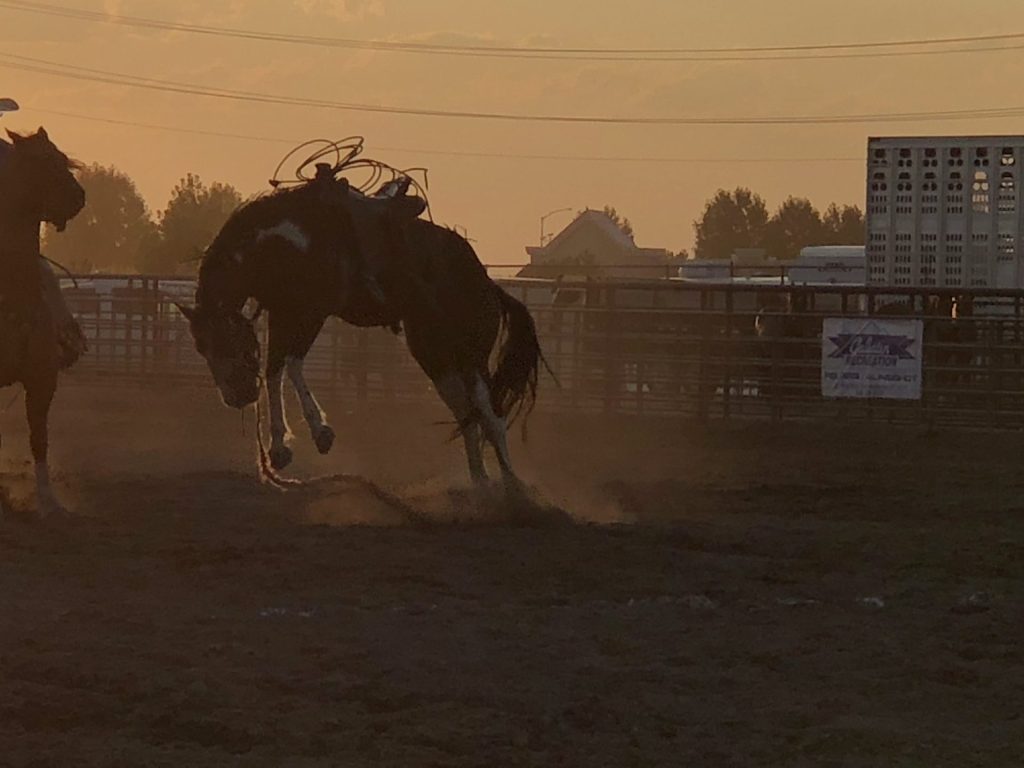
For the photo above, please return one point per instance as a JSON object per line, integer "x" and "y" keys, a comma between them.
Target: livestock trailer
{"x": 943, "y": 211}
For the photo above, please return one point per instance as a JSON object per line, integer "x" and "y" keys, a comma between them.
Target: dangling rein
{"x": 267, "y": 472}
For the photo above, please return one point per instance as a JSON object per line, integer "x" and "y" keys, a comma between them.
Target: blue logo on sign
{"x": 872, "y": 349}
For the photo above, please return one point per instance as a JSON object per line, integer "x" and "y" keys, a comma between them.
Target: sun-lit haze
{"x": 499, "y": 200}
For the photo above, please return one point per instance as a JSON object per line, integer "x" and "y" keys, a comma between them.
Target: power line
{"x": 870, "y": 49}
{"x": 67, "y": 71}
{"x": 463, "y": 153}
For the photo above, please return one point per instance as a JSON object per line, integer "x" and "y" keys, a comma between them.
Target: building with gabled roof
{"x": 593, "y": 244}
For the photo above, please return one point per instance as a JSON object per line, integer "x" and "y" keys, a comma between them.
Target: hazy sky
{"x": 500, "y": 200}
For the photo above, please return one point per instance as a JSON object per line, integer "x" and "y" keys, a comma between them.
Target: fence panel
{"x": 654, "y": 347}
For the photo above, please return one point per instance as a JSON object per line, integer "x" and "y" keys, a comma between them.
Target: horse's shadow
{"x": 341, "y": 500}
{"x": 481, "y": 504}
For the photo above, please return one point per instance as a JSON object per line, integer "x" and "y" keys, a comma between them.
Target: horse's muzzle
{"x": 240, "y": 392}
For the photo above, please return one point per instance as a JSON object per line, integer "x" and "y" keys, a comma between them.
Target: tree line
{"x": 740, "y": 219}
{"x": 117, "y": 232}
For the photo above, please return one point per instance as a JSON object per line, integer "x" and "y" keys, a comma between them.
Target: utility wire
{"x": 67, "y": 71}
{"x": 869, "y": 49}
{"x": 461, "y": 153}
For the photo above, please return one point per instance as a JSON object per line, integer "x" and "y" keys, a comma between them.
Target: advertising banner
{"x": 871, "y": 358}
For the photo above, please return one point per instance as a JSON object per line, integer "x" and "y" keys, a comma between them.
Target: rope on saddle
{"x": 345, "y": 158}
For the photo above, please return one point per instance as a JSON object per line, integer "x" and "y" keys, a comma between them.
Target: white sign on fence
{"x": 871, "y": 358}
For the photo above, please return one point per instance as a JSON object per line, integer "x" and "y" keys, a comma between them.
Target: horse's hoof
{"x": 514, "y": 488}
{"x": 280, "y": 457}
{"x": 325, "y": 440}
{"x": 51, "y": 509}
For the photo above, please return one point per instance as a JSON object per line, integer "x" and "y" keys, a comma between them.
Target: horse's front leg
{"x": 38, "y": 397}
{"x": 290, "y": 340}
{"x": 280, "y": 434}
{"x": 315, "y": 417}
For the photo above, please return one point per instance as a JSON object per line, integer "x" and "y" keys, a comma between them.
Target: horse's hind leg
{"x": 452, "y": 389}
{"x": 493, "y": 426}
{"x": 38, "y": 397}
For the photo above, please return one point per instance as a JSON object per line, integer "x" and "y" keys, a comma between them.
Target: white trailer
{"x": 943, "y": 211}
{"x": 829, "y": 265}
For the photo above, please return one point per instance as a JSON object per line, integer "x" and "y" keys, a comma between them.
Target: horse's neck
{"x": 224, "y": 284}
{"x": 19, "y": 231}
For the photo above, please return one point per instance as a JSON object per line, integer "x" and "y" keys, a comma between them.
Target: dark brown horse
{"x": 36, "y": 185}
{"x": 298, "y": 256}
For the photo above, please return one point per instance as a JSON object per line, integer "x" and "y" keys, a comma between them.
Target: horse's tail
{"x": 513, "y": 384}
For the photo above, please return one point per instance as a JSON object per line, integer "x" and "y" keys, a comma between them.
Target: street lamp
{"x": 8, "y": 105}
{"x": 545, "y": 217}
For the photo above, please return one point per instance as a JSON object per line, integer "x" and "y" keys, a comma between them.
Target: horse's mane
{"x": 40, "y": 135}
{"x": 250, "y": 214}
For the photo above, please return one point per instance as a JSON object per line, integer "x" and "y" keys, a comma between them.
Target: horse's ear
{"x": 190, "y": 313}
{"x": 15, "y": 137}
{"x": 42, "y": 134}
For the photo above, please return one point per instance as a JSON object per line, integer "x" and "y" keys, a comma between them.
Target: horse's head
{"x": 228, "y": 342}
{"x": 44, "y": 178}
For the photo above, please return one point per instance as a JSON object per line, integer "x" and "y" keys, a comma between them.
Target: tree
{"x": 107, "y": 235}
{"x": 843, "y": 226}
{"x": 794, "y": 225}
{"x": 730, "y": 220}
{"x": 194, "y": 215}
{"x": 619, "y": 221}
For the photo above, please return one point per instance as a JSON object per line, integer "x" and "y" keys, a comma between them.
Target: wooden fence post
{"x": 702, "y": 364}
{"x": 727, "y": 361}
{"x": 611, "y": 354}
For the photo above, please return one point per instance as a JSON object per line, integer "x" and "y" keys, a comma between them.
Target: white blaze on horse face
{"x": 286, "y": 230}
{"x": 311, "y": 409}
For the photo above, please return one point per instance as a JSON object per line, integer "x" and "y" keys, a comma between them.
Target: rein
{"x": 61, "y": 267}
{"x": 267, "y": 472}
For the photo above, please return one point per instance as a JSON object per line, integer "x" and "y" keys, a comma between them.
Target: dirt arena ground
{"x": 725, "y": 596}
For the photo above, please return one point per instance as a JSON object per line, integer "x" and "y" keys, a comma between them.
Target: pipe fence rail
{"x": 660, "y": 347}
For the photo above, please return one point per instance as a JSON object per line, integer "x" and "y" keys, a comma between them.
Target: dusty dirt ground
{"x": 726, "y": 596}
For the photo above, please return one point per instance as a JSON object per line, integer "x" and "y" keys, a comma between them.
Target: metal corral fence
{"x": 664, "y": 346}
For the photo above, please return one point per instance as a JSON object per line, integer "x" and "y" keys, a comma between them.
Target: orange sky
{"x": 499, "y": 201}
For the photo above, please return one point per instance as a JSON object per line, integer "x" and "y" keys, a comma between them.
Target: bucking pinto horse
{"x": 300, "y": 258}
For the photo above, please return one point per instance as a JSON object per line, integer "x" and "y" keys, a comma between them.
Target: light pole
{"x": 545, "y": 218}
{"x": 8, "y": 105}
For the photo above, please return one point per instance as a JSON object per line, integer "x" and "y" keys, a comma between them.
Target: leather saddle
{"x": 394, "y": 196}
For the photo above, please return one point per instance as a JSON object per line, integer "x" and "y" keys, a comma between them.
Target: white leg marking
{"x": 493, "y": 426}
{"x": 279, "y": 431}
{"x": 311, "y": 409}
{"x": 453, "y": 393}
{"x": 45, "y": 497}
